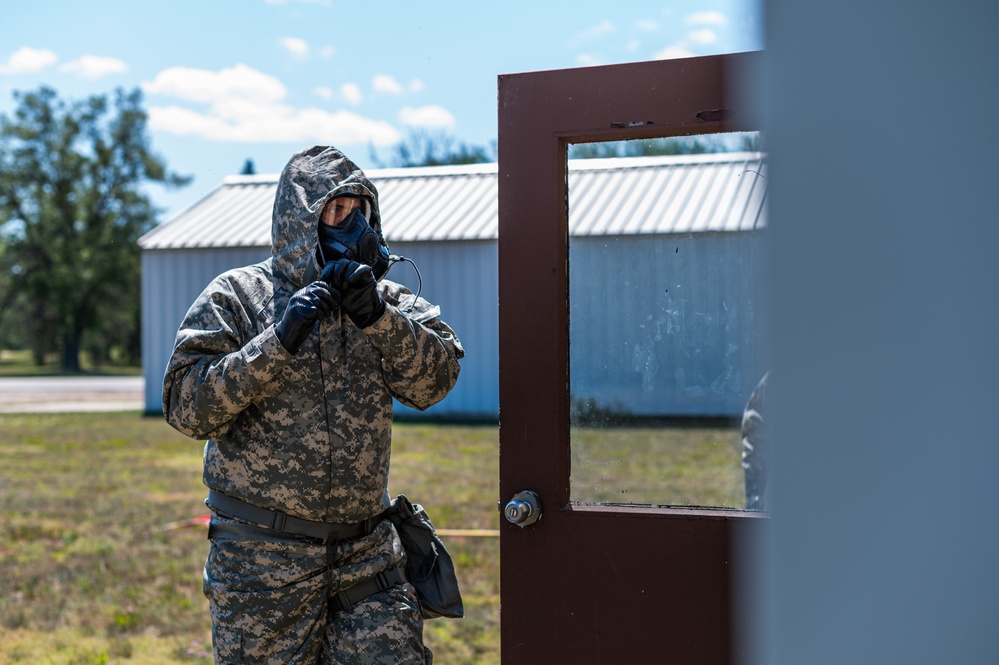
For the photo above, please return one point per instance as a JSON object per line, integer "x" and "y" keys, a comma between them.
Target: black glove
{"x": 358, "y": 291}
{"x": 309, "y": 304}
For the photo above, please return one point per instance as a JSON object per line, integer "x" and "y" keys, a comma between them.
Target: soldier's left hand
{"x": 358, "y": 289}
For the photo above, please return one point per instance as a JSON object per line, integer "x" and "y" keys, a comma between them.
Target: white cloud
{"x": 706, "y": 18}
{"x": 278, "y": 123}
{"x": 323, "y": 92}
{"x": 703, "y": 36}
{"x": 599, "y": 30}
{"x": 671, "y": 52}
{"x": 201, "y": 85}
{"x": 592, "y": 33}
{"x": 632, "y": 45}
{"x": 694, "y": 39}
{"x": 647, "y": 25}
{"x": 245, "y": 105}
{"x": 298, "y": 48}
{"x": 94, "y": 67}
{"x": 352, "y": 93}
{"x": 426, "y": 116}
{"x": 27, "y": 59}
{"x": 327, "y": 52}
{"x": 416, "y": 85}
{"x": 385, "y": 83}
{"x": 587, "y": 60}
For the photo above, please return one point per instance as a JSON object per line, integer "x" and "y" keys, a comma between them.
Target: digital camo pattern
{"x": 306, "y": 434}
{"x": 268, "y": 602}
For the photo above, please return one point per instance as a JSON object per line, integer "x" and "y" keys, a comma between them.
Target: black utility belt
{"x": 278, "y": 521}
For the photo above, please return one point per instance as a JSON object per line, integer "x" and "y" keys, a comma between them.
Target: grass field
{"x": 90, "y": 574}
{"x": 658, "y": 466}
{"x": 19, "y": 363}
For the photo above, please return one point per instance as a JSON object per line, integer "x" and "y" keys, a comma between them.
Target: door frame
{"x": 582, "y": 614}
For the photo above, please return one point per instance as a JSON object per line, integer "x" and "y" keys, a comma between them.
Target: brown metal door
{"x": 595, "y": 581}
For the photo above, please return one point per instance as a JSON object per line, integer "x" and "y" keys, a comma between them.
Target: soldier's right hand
{"x": 309, "y": 304}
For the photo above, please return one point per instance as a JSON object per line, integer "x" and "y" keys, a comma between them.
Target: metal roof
{"x": 635, "y": 195}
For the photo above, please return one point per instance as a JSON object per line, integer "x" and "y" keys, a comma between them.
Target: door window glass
{"x": 665, "y": 319}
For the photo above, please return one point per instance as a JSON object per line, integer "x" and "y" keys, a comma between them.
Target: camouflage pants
{"x": 269, "y": 601}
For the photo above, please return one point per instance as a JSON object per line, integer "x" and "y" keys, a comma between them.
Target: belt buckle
{"x": 278, "y": 521}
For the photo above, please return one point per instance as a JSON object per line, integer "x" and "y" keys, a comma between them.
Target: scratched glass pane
{"x": 665, "y": 319}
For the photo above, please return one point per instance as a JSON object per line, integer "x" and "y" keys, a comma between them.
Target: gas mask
{"x": 355, "y": 240}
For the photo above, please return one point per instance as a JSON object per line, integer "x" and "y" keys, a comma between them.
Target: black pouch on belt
{"x": 428, "y": 565}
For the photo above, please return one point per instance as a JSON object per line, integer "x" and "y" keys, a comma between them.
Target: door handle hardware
{"x": 523, "y": 509}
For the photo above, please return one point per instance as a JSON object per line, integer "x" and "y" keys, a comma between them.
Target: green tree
{"x": 72, "y": 208}
{"x": 422, "y": 148}
{"x": 673, "y": 145}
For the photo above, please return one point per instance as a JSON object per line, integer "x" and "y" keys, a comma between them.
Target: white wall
{"x": 665, "y": 325}
{"x": 171, "y": 280}
{"x": 883, "y": 544}
{"x": 460, "y": 277}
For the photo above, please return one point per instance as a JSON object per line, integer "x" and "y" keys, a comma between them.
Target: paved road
{"x": 71, "y": 393}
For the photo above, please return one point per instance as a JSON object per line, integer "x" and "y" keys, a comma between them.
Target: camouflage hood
{"x": 310, "y": 179}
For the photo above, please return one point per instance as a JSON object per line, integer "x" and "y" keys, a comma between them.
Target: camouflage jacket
{"x": 306, "y": 434}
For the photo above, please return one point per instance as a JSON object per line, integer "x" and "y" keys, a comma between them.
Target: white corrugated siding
{"x": 460, "y": 277}
{"x": 676, "y": 194}
{"x": 463, "y": 279}
{"x": 668, "y": 325}
{"x": 171, "y": 280}
{"x": 688, "y": 194}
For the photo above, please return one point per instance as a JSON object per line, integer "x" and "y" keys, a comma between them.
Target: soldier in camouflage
{"x": 288, "y": 368}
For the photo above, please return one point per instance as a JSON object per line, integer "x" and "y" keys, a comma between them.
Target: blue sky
{"x": 230, "y": 80}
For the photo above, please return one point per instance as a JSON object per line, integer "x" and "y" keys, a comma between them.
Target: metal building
{"x": 445, "y": 220}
